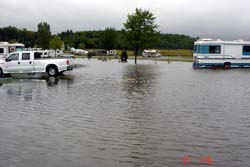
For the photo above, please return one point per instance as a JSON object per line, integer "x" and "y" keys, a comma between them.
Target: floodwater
{"x": 112, "y": 114}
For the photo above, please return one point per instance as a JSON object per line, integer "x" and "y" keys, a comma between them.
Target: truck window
{"x": 1, "y": 50}
{"x": 13, "y": 57}
{"x": 37, "y": 55}
{"x": 25, "y": 56}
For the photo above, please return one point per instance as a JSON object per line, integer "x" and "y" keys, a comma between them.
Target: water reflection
{"x": 113, "y": 114}
{"x": 140, "y": 83}
{"x": 140, "y": 78}
{"x": 26, "y": 89}
{"x": 52, "y": 81}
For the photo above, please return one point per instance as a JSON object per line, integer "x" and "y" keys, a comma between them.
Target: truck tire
{"x": 52, "y": 70}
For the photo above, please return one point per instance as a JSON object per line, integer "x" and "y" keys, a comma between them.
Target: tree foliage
{"x": 68, "y": 38}
{"x": 55, "y": 43}
{"x": 43, "y": 35}
{"x": 109, "y": 38}
{"x": 140, "y": 30}
{"x": 93, "y": 39}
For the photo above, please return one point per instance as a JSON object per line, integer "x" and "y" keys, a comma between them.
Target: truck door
{"x": 12, "y": 63}
{"x": 26, "y": 63}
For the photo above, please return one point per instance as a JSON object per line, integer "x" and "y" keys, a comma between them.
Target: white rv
{"x": 210, "y": 53}
{"x": 6, "y": 48}
{"x": 79, "y": 51}
{"x": 151, "y": 53}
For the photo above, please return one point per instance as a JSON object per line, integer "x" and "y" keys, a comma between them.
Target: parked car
{"x": 32, "y": 62}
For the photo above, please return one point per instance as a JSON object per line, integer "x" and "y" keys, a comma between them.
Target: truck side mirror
{"x": 7, "y": 60}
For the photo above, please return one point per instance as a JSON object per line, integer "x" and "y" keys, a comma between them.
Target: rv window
{"x": 26, "y": 56}
{"x": 203, "y": 49}
{"x": 246, "y": 50}
{"x": 1, "y": 50}
{"x": 195, "y": 48}
{"x": 216, "y": 49}
{"x": 19, "y": 48}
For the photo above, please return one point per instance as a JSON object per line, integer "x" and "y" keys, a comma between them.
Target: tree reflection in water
{"x": 140, "y": 78}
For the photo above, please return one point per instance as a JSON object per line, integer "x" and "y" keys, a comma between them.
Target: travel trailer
{"x": 210, "y": 53}
{"x": 151, "y": 53}
{"x": 79, "y": 51}
{"x": 6, "y": 48}
{"x": 47, "y": 53}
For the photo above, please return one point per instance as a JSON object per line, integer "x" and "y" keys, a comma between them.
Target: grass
{"x": 167, "y": 55}
{"x": 166, "y": 52}
{"x": 177, "y": 52}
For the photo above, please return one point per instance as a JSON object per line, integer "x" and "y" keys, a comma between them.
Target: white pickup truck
{"x": 32, "y": 62}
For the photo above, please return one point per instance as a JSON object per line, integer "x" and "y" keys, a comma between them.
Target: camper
{"x": 6, "y": 48}
{"x": 210, "y": 53}
{"x": 47, "y": 53}
{"x": 79, "y": 51}
{"x": 151, "y": 53}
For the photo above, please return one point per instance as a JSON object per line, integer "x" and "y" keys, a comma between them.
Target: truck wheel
{"x": 52, "y": 70}
{"x": 1, "y": 73}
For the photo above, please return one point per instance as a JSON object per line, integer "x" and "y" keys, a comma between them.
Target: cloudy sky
{"x": 224, "y": 19}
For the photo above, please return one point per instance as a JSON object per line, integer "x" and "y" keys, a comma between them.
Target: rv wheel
{"x": 226, "y": 66}
{"x": 1, "y": 73}
{"x": 214, "y": 67}
{"x": 195, "y": 66}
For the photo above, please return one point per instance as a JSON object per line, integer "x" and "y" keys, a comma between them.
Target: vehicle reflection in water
{"x": 52, "y": 81}
{"x": 26, "y": 87}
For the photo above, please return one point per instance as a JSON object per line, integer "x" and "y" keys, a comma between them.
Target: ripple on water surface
{"x": 114, "y": 114}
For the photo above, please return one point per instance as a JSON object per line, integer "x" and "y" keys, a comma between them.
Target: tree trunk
{"x": 136, "y": 53}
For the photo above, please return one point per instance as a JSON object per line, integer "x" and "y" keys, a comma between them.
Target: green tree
{"x": 55, "y": 43}
{"x": 81, "y": 46}
{"x": 109, "y": 38}
{"x": 140, "y": 30}
{"x": 10, "y": 34}
{"x": 43, "y": 35}
{"x": 68, "y": 38}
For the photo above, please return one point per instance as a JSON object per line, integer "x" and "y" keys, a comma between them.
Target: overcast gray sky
{"x": 224, "y": 19}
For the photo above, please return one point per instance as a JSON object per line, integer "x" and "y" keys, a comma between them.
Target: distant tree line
{"x": 103, "y": 39}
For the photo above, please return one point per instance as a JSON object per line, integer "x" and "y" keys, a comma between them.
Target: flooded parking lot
{"x": 113, "y": 114}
